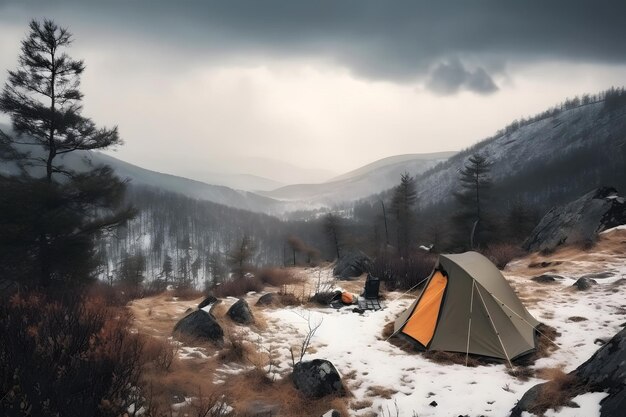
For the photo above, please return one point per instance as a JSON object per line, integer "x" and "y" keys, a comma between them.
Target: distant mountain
{"x": 245, "y": 182}
{"x": 353, "y": 185}
{"x": 81, "y": 160}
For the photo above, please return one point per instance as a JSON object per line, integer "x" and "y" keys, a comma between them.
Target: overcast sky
{"x": 252, "y": 86}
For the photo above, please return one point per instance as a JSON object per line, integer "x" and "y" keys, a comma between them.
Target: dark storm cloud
{"x": 451, "y": 77}
{"x": 399, "y": 40}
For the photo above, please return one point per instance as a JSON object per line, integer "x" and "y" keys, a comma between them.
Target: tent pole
{"x": 494, "y": 328}
{"x": 469, "y": 327}
{"x": 524, "y": 320}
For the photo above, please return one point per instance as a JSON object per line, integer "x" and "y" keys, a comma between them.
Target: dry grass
{"x": 244, "y": 389}
{"x": 379, "y": 391}
{"x": 278, "y": 277}
{"x": 238, "y": 287}
{"x": 557, "y": 392}
{"x": 577, "y": 319}
{"x": 359, "y": 405}
{"x": 187, "y": 293}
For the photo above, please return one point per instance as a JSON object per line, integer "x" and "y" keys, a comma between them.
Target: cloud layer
{"x": 401, "y": 41}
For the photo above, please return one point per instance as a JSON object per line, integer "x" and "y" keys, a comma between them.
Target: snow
{"x": 589, "y": 406}
{"x": 354, "y": 344}
{"x": 376, "y": 371}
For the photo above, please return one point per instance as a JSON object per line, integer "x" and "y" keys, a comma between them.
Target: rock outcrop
{"x": 352, "y": 265}
{"x": 604, "y": 371}
{"x": 317, "y": 378}
{"x": 579, "y": 221}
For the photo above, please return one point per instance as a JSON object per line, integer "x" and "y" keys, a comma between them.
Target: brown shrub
{"x": 277, "y": 277}
{"x": 187, "y": 293}
{"x": 503, "y": 253}
{"x": 557, "y": 392}
{"x": 238, "y": 287}
{"x": 71, "y": 356}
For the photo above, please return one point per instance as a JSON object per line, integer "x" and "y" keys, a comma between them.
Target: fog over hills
{"x": 369, "y": 179}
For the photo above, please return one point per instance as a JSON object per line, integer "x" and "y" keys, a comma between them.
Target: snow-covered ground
{"x": 381, "y": 376}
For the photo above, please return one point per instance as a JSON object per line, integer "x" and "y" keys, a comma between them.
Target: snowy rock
{"x": 208, "y": 301}
{"x": 605, "y": 371}
{"x": 267, "y": 299}
{"x": 579, "y": 221}
{"x": 317, "y": 378}
{"x": 546, "y": 278}
{"x": 201, "y": 325}
{"x": 240, "y": 312}
{"x": 352, "y": 264}
{"x": 584, "y": 283}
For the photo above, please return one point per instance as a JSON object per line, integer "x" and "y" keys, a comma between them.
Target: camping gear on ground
{"x": 467, "y": 306}
{"x": 347, "y": 298}
{"x": 369, "y": 299}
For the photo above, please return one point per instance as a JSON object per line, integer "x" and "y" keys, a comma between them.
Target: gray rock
{"x": 200, "y": 325}
{"x": 579, "y": 221}
{"x": 583, "y": 284}
{"x": 528, "y": 400}
{"x": 240, "y": 312}
{"x": 317, "y": 378}
{"x": 208, "y": 301}
{"x": 546, "y": 278}
{"x": 267, "y": 299}
{"x": 605, "y": 371}
{"x": 352, "y": 265}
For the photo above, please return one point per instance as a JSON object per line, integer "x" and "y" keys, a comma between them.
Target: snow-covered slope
{"x": 364, "y": 181}
{"x": 588, "y": 135}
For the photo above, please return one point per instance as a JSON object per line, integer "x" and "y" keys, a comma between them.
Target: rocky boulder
{"x": 268, "y": 299}
{"x": 240, "y": 312}
{"x": 604, "y": 371}
{"x": 546, "y": 278}
{"x": 352, "y": 265}
{"x": 208, "y": 301}
{"x": 584, "y": 283}
{"x": 579, "y": 221}
{"x": 200, "y": 325}
{"x": 317, "y": 378}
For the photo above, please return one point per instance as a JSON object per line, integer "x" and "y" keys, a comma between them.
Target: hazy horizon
{"x": 300, "y": 92}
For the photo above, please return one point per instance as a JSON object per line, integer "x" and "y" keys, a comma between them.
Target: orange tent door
{"x": 421, "y": 325}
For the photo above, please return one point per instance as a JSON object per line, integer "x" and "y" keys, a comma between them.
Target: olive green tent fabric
{"x": 480, "y": 313}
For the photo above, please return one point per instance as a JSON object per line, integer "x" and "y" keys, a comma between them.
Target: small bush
{"x": 238, "y": 287}
{"x": 277, "y": 277}
{"x": 503, "y": 253}
{"x": 187, "y": 293}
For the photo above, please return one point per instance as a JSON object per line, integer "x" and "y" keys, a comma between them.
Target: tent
{"x": 468, "y": 306}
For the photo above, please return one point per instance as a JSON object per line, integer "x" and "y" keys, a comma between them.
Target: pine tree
{"x": 332, "y": 227}
{"x": 403, "y": 204}
{"x": 475, "y": 182}
{"x": 53, "y": 235}
{"x": 241, "y": 256}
